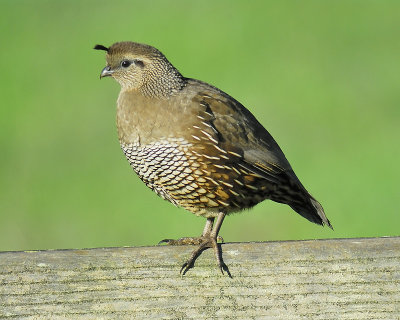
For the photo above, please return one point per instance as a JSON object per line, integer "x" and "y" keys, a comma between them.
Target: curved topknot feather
{"x": 100, "y": 47}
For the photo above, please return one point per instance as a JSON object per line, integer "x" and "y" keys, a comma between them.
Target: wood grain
{"x": 315, "y": 279}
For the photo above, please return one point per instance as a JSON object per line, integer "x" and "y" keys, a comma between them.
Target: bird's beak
{"x": 106, "y": 72}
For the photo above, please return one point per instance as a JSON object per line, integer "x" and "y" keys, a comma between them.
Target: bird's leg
{"x": 217, "y": 248}
{"x": 207, "y": 240}
{"x": 208, "y": 227}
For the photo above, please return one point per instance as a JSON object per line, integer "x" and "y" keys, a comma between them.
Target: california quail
{"x": 196, "y": 146}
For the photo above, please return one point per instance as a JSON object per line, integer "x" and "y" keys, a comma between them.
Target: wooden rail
{"x": 314, "y": 279}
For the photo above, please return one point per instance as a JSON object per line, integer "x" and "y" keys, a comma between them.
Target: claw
{"x": 185, "y": 267}
{"x": 223, "y": 267}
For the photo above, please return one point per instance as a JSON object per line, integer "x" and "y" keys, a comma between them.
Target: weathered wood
{"x": 315, "y": 279}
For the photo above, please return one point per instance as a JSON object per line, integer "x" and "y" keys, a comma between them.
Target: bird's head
{"x": 141, "y": 67}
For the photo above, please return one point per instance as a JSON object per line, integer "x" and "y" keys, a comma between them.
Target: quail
{"x": 196, "y": 146}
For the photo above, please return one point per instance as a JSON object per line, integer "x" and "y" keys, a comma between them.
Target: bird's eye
{"x": 125, "y": 63}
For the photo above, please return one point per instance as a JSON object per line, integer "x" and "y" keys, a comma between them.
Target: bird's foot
{"x": 209, "y": 239}
{"x": 206, "y": 241}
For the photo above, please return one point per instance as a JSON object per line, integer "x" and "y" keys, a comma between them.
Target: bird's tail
{"x": 298, "y": 198}
{"x": 312, "y": 210}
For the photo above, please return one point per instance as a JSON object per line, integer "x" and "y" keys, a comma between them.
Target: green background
{"x": 322, "y": 76}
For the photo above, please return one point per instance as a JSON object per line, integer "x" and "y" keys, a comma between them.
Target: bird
{"x": 197, "y": 147}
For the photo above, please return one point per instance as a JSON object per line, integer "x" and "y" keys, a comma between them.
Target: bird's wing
{"x": 235, "y": 131}
{"x": 235, "y": 135}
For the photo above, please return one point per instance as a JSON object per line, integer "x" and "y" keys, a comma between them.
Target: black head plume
{"x": 100, "y": 47}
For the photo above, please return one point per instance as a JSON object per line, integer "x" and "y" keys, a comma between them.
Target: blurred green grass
{"x": 323, "y": 78}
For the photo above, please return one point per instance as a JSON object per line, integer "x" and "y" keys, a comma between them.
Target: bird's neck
{"x": 167, "y": 82}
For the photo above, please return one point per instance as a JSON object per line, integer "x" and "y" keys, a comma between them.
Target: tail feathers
{"x": 312, "y": 210}
{"x": 300, "y": 200}
{"x": 321, "y": 213}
